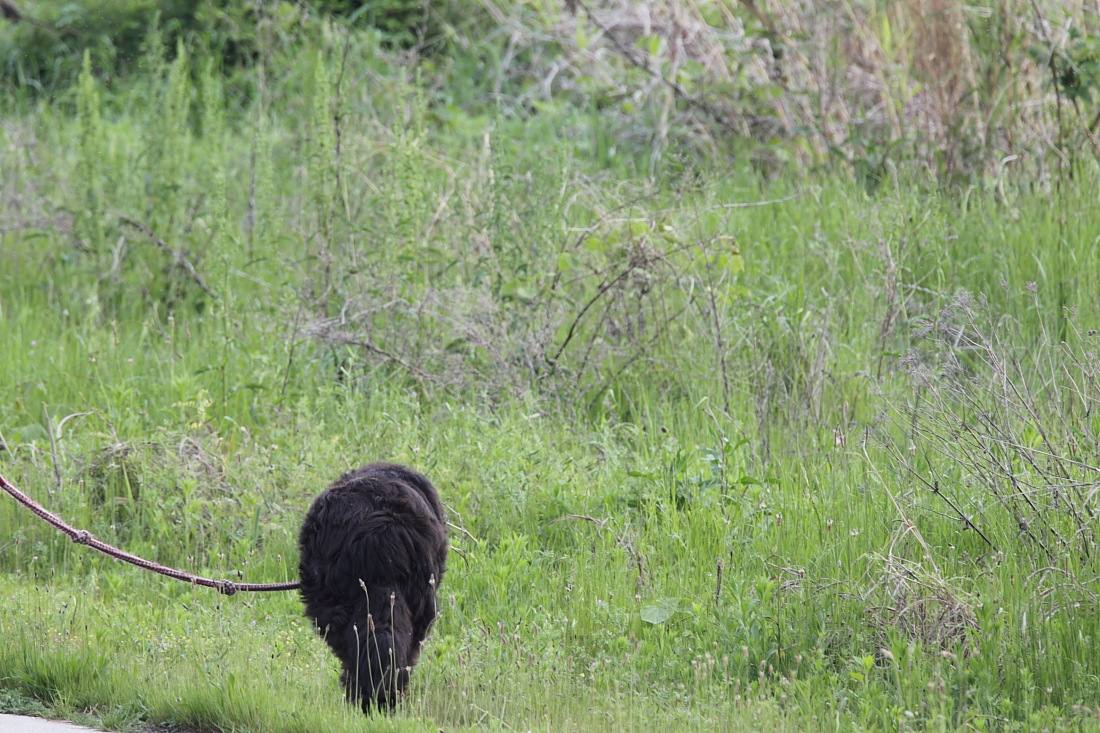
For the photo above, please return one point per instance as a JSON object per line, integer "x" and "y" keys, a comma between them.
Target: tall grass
{"x": 708, "y": 465}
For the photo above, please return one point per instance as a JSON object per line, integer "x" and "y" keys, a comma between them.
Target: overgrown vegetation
{"x": 963, "y": 92}
{"x": 758, "y": 377}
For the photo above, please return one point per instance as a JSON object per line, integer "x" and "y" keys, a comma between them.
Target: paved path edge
{"x": 29, "y": 724}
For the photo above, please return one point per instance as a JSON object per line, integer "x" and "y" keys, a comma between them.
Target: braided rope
{"x": 84, "y": 537}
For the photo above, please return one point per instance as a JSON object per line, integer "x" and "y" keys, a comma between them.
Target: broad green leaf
{"x": 661, "y": 612}
{"x": 568, "y": 262}
{"x": 518, "y": 289}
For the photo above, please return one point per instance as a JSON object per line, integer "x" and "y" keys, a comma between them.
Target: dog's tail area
{"x": 382, "y": 648}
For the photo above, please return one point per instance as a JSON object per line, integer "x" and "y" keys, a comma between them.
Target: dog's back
{"x": 373, "y": 551}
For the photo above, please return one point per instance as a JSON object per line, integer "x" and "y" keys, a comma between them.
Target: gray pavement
{"x": 25, "y": 724}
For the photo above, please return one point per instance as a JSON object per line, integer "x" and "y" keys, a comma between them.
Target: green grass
{"x": 680, "y": 449}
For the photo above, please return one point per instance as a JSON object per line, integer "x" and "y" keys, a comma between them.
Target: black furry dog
{"x": 373, "y": 550}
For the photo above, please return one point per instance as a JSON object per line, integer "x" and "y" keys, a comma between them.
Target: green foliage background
{"x": 726, "y": 443}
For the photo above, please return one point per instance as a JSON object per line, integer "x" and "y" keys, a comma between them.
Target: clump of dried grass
{"x": 111, "y": 475}
{"x": 918, "y": 601}
{"x": 923, "y": 606}
{"x": 116, "y": 474}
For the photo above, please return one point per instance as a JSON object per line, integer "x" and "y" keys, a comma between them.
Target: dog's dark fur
{"x": 382, "y": 525}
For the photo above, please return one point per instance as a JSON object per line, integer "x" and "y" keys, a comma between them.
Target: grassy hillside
{"x": 723, "y": 446}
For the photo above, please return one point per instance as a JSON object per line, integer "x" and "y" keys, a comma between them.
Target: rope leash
{"x": 84, "y": 537}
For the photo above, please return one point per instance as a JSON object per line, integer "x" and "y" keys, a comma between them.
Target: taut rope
{"x": 83, "y": 537}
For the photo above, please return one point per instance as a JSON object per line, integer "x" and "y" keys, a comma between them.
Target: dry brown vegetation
{"x": 957, "y": 88}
